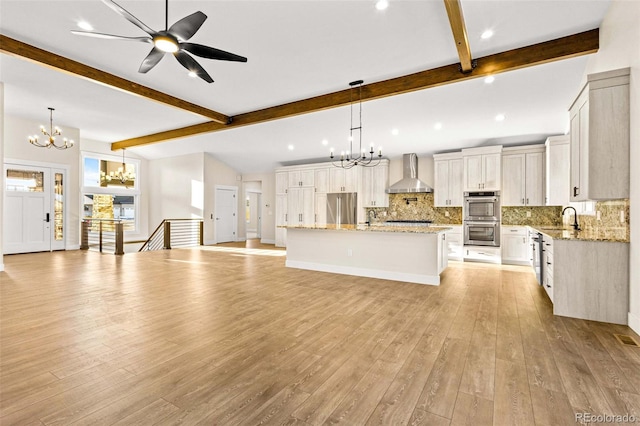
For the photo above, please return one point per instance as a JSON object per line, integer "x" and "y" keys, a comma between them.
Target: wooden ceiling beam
{"x": 22, "y": 50}
{"x": 554, "y": 50}
{"x": 459, "y": 30}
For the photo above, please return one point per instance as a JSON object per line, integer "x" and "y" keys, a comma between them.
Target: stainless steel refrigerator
{"x": 342, "y": 208}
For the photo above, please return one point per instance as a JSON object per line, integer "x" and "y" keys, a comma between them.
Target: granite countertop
{"x": 610, "y": 234}
{"x": 375, "y": 228}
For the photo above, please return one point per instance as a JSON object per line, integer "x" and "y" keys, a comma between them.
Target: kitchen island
{"x": 416, "y": 254}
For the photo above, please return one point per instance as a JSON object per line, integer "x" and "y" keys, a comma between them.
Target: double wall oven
{"x": 482, "y": 218}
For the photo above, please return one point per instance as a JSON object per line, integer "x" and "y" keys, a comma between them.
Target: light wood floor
{"x": 227, "y": 335}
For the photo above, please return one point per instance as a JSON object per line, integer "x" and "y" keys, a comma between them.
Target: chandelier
{"x": 51, "y": 136}
{"x": 360, "y": 157}
{"x": 123, "y": 174}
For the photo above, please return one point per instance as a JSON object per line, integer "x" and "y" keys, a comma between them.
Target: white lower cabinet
{"x": 321, "y": 209}
{"x": 515, "y": 245}
{"x": 547, "y": 265}
{"x": 443, "y": 258}
{"x": 454, "y": 243}
{"x": 484, "y": 254}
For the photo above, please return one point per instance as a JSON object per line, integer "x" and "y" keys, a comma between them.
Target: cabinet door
{"x": 365, "y": 194}
{"x": 579, "y": 155}
{"x": 307, "y": 177}
{"x": 534, "y": 179}
{"x": 307, "y": 203}
{"x": 491, "y": 172}
{"x": 321, "y": 209}
{"x": 282, "y": 182}
{"x": 380, "y": 182}
{"x": 513, "y": 180}
{"x": 294, "y": 207}
{"x": 455, "y": 182}
{"x": 515, "y": 248}
{"x": 281, "y": 219}
{"x": 441, "y": 184}
{"x": 336, "y": 180}
{"x": 322, "y": 180}
{"x": 472, "y": 172}
{"x": 294, "y": 178}
{"x": 558, "y": 180}
{"x": 351, "y": 180}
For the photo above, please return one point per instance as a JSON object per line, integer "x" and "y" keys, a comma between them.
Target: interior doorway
{"x": 253, "y": 217}
{"x": 226, "y": 215}
{"x": 34, "y": 208}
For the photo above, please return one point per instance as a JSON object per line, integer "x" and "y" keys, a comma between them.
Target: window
{"x": 110, "y": 189}
{"x": 24, "y": 181}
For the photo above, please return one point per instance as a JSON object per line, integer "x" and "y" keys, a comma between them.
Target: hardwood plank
{"x": 553, "y": 50}
{"x": 382, "y": 352}
{"x": 512, "y": 403}
{"x": 472, "y": 410}
{"x": 438, "y": 396}
{"x": 60, "y": 63}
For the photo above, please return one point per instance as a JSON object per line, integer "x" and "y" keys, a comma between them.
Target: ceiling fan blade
{"x": 185, "y": 28}
{"x": 128, "y": 16}
{"x": 151, "y": 60}
{"x": 111, "y": 36}
{"x": 211, "y": 52}
{"x": 189, "y": 63}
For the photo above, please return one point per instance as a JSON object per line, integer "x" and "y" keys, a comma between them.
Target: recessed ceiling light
{"x": 192, "y": 74}
{"x": 85, "y": 26}
{"x": 395, "y": 132}
{"x": 500, "y": 117}
{"x": 382, "y": 4}
{"x": 487, "y": 34}
{"x": 437, "y": 126}
{"x": 290, "y": 147}
{"x": 490, "y": 79}
{"x": 325, "y": 142}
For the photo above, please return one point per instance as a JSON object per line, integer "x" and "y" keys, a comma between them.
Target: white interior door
{"x": 27, "y": 224}
{"x": 226, "y": 214}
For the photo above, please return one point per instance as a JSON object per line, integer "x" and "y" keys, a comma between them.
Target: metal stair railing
{"x": 103, "y": 235}
{"x": 175, "y": 233}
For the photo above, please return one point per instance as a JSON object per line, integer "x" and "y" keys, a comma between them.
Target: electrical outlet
{"x": 528, "y": 213}
{"x": 349, "y": 252}
{"x": 621, "y": 216}
{"x": 446, "y": 214}
{"x": 598, "y": 215}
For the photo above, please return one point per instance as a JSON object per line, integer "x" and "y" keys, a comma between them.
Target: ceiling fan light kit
{"x": 172, "y": 40}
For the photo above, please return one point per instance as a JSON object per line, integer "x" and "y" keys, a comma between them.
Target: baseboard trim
{"x": 267, "y": 241}
{"x": 362, "y": 272}
{"x": 1, "y": 267}
{"x": 634, "y": 322}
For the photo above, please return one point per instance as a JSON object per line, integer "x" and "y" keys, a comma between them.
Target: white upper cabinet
{"x": 482, "y": 168}
{"x": 301, "y": 177}
{"x": 374, "y": 181}
{"x": 523, "y": 176}
{"x": 557, "y": 171}
{"x": 282, "y": 182}
{"x": 599, "y": 140}
{"x": 343, "y": 180}
{"x": 300, "y": 206}
{"x": 448, "y": 180}
{"x": 322, "y": 180}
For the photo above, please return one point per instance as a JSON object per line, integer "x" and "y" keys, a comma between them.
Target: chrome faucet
{"x": 575, "y": 217}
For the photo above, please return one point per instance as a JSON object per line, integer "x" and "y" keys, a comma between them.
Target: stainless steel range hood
{"x": 410, "y": 181}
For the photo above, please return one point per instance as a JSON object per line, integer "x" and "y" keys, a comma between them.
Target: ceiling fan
{"x": 172, "y": 40}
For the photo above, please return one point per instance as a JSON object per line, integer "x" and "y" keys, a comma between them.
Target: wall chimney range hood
{"x": 410, "y": 182}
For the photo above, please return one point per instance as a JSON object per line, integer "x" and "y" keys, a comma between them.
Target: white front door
{"x": 226, "y": 214}
{"x": 34, "y": 209}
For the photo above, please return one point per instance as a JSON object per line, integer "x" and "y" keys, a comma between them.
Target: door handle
{"x": 47, "y": 218}
{"x": 575, "y": 191}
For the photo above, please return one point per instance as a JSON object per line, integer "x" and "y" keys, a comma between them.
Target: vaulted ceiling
{"x": 298, "y": 50}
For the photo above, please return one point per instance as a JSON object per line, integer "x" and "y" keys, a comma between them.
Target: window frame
{"x": 112, "y": 190}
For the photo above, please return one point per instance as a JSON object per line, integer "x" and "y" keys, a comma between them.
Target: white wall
{"x": 176, "y": 188}
{"x": 2, "y": 141}
{"x": 17, "y": 147}
{"x": 620, "y": 48}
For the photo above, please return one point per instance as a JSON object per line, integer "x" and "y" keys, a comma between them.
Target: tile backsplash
{"x": 415, "y": 207}
{"x": 541, "y": 216}
{"x": 610, "y": 212}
